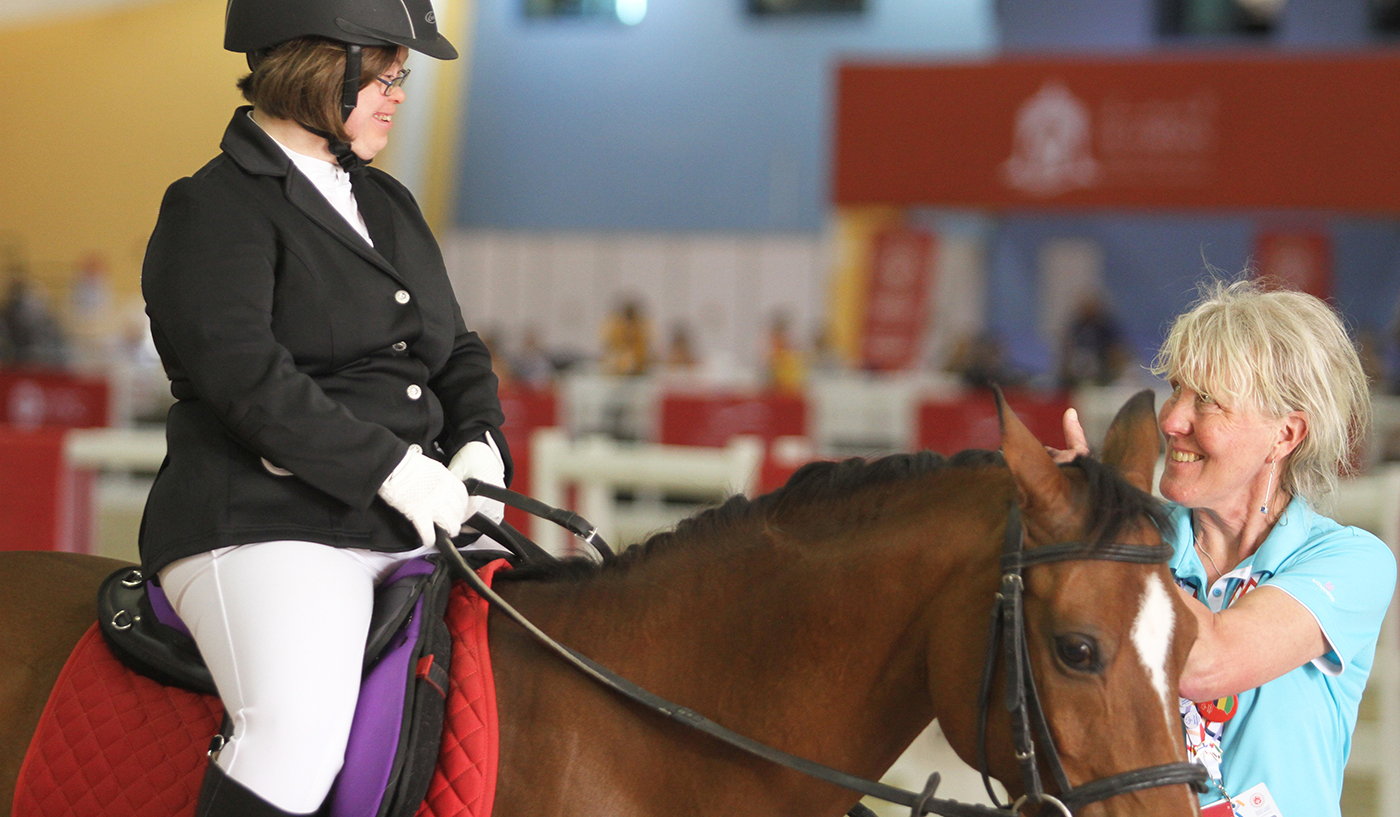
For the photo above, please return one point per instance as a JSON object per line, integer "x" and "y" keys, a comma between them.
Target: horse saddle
{"x": 423, "y": 738}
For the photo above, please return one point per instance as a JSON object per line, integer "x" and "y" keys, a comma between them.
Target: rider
{"x": 330, "y": 400}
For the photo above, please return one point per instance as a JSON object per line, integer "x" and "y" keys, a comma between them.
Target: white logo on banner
{"x": 1053, "y": 139}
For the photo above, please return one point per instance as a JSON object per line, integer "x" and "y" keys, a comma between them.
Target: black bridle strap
{"x": 1021, "y": 699}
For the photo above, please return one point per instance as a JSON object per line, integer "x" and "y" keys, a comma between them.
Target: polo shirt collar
{"x": 1288, "y": 534}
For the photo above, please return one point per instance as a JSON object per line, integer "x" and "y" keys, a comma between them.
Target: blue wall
{"x": 1153, "y": 262}
{"x": 698, "y": 118}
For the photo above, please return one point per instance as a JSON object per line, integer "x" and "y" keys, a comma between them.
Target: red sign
{"x": 1255, "y": 131}
{"x": 714, "y": 419}
{"x": 1297, "y": 259}
{"x": 896, "y": 307}
{"x": 950, "y": 426}
{"x": 29, "y": 399}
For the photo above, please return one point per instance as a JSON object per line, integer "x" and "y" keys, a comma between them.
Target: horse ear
{"x": 1133, "y": 442}
{"x": 1037, "y": 477}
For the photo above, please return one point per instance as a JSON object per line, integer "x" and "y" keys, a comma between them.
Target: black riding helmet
{"x": 257, "y": 25}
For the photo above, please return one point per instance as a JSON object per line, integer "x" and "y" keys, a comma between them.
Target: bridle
{"x": 1007, "y": 629}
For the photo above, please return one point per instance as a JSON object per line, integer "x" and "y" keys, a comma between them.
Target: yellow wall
{"x": 106, "y": 110}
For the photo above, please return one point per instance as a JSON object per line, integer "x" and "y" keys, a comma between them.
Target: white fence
{"x": 598, "y": 468}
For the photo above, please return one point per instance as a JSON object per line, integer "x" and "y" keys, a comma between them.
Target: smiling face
{"x": 1218, "y": 457}
{"x": 369, "y": 124}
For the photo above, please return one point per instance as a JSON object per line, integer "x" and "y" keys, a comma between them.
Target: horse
{"x": 833, "y": 619}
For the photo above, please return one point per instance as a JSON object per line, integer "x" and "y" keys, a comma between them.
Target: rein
{"x": 1021, "y": 698}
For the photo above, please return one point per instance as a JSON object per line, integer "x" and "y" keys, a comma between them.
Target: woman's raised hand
{"x": 1077, "y": 444}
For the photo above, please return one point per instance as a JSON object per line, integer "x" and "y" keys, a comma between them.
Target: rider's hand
{"x": 1077, "y": 443}
{"x": 483, "y": 461}
{"x": 423, "y": 490}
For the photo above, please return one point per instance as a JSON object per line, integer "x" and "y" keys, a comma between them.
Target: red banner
{"x": 1254, "y": 131}
{"x": 896, "y": 307}
{"x": 1298, "y": 259}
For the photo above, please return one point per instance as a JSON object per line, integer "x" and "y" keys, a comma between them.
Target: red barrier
{"x": 971, "y": 421}
{"x": 526, "y": 409}
{"x": 44, "y": 505}
{"x": 712, "y": 419}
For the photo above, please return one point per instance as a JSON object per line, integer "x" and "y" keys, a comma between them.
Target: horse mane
{"x": 1114, "y": 506}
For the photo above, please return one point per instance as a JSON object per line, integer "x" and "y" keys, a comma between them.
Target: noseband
{"x": 1007, "y": 637}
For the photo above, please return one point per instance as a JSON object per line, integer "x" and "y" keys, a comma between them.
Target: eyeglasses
{"x": 396, "y": 82}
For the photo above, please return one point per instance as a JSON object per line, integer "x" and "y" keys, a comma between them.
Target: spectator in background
{"x": 35, "y": 338}
{"x": 979, "y": 361}
{"x": 1093, "y": 352}
{"x": 787, "y": 367}
{"x": 531, "y": 364}
{"x": 627, "y": 341}
{"x": 92, "y": 315}
{"x": 680, "y": 355}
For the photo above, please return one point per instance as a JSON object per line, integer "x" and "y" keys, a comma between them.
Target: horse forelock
{"x": 1115, "y": 505}
{"x": 832, "y": 491}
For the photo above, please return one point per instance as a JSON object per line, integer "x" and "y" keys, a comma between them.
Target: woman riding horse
{"x": 324, "y": 378}
{"x": 1268, "y": 403}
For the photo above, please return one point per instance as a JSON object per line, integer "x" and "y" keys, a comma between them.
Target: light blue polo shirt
{"x": 1294, "y": 732}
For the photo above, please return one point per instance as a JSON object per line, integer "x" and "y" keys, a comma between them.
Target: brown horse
{"x": 833, "y": 619}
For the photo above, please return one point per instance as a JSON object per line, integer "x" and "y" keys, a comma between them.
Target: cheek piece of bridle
{"x": 1007, "y": 629}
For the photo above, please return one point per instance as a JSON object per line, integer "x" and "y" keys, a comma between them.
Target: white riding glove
{"x": 483, "y": 461}
{"x": 423, "y": 490}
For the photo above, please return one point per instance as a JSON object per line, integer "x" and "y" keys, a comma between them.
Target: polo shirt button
{"x": 415, "y": 392}
{"x": 1215, "y": 592}
{"x": 401, "y": 296}
{"x": 400, "y": 346}
{"x": 416, "y": 448}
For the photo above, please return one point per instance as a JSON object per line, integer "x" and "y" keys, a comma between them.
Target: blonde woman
{"x": 1268, "y": 403}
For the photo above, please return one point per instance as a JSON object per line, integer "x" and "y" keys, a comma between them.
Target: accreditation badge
{"x": 1253, "y": 802}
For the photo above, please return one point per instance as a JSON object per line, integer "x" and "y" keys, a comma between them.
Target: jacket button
{"x": 400, "y": 346}
{"x": 415, "y": 392}
{"x": 401, "y": 296}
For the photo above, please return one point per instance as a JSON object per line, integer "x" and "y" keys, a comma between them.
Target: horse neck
{"x": 821, "y": 647}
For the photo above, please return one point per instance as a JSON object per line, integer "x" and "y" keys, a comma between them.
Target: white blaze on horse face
{"x": 1152, "y": 634}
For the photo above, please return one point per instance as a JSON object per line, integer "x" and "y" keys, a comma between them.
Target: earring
{"x": 1268, "y": 488}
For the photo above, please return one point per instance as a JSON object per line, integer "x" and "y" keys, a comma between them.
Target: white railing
{"x": 598, "y": 467}
{"x": 1372, "y": 502}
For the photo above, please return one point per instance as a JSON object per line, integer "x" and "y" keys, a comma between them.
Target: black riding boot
{"x": 222, "y": 796}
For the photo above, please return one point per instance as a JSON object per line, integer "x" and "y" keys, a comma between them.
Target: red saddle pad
{"x": 112, "y": 743}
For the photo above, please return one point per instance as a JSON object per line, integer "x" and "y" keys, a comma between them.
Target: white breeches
{"x": 282, "y": 627}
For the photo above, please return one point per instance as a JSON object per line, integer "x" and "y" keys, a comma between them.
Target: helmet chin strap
{"x": 349, "y": 98}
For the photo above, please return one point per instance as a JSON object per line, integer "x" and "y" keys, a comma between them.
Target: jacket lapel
{"x": 256, "y": 152}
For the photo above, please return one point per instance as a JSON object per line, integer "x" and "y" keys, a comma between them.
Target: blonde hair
{"x": 1248, "y": 344}
{"x": 301, "y": 80}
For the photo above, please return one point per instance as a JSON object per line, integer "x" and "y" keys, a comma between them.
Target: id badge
{"x": 1253, "y": 802}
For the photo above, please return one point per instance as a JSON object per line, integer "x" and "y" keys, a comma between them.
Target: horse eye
{"x": 1078, "y": 652}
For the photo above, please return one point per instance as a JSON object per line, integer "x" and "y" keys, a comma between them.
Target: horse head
{"x": 1106, "y": 639}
